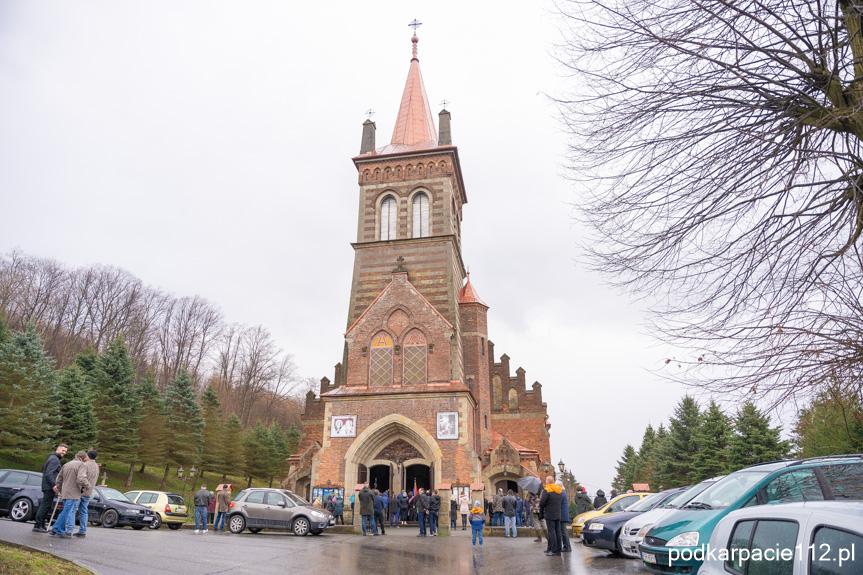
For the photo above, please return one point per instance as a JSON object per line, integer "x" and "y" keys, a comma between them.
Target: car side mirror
{"x": 96, "y": 499}
{"x": 281, "y": 503}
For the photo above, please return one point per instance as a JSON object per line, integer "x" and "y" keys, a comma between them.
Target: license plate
{"x": 332, "y": 521}
{"x": 180, "y": 510}
{"x": 148, "y": 518}
{"x": 648, "y": 557}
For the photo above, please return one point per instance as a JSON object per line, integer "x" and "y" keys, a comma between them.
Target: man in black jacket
{"x": 549, "y": 507}
{"x": 422, "y": 511}
{"x": 49, "y": 478}
{"x": 434, "y": 510}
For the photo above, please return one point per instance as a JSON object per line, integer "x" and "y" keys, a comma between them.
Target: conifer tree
{"x": 293, "y": 437}
{"x": 626, "y": 467}
{"x": 77, "y": 418}
{"x": 232, "y": 446}
{"x": 117, "y": 407}
{"x": 279, "y": 451}
{"x": 184, "y": 423}
{"x": 212, "y": 455}
{"x": 88, "y": 361}
{"x": 646, "y": 459}
{"x": 27, "y": 380}
{"x": 712, "y": 438}
{"x": 753, "y": 440}
{"x": 256, "y": 451}
{"x": 832, "y": 424}
{"x": 152, "y": 435}
{"x": 677, "y": 453}
{"x": 4, "y": 329}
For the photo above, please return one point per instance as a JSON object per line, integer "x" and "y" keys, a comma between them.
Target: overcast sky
{"x": 205, "y": 147}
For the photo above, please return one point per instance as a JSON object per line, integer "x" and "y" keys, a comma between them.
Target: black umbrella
{"x": 530, "y": 483}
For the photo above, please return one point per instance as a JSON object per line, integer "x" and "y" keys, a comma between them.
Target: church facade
{"x": 418, "y": 399}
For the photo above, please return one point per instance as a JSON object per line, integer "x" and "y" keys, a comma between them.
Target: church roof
{"x": 467, "y": 294}
{"x": 415, "y": 127}
{"x": 496, "y": 438}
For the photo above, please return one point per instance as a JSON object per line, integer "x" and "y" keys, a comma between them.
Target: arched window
{"x": 497, "y": 393}
{"x": 415, "y": 358}
{"x": 381, "y": 360}
{"x": 420, "y": 210}
{"x": 513, "y": 399}
{"x": 388, "y": 218}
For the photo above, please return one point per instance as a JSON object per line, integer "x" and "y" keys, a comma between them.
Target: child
{"x": 477, "y": 522}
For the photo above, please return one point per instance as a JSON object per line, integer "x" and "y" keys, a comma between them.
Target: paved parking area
{"x": 125, "y": 551}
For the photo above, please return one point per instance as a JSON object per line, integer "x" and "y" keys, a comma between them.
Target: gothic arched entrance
{"x": 388, "y": 449}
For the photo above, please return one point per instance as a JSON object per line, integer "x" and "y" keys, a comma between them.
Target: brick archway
{"x": 384, "y": 432}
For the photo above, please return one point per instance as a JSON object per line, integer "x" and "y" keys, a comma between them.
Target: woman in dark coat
{"x": 394, "y": 509}
{"x": 403, "y": 508}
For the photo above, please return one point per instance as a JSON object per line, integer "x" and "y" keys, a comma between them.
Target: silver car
{"x": 262, "y": 508}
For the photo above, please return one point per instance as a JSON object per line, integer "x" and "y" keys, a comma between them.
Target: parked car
{"x": 619, "y": 503}
{"x": 634, "y": 530}
{"x": 263, "y": 508}
{"x": 20, "y": 493}
{"x": 603, "y": 532}
{"x": 110, "y": 508}
{"x": 170, "y": 508}
{"x": 816, "y": 537}
{"x": 676, "y": 543}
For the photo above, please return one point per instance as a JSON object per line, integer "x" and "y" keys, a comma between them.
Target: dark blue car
{"x": 603, "y": 532}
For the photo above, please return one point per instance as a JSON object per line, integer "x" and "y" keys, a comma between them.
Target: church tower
{"x": 410, "y": 209}
{"x": 417, "y": 399}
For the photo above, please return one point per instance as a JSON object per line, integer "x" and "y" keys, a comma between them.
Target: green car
{"x": 677, "y": 542}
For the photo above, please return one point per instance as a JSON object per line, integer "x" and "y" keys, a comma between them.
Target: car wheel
{"x": 174, "y": 526}
{"x": 110, "y": 519}
{"x": 21, "y": 510}
{"x": 236, "y": 523}
{"x": 301, "y": 527}
{"x": 157, "y": 522}
{"x": 618, "y": 548}
{"x": 255, "y": 529}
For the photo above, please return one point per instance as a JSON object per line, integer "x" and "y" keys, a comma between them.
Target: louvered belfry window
{"x": 388, "y": 219}
{"x": 420, "y": 210}
{"x": 381, "y": 360}
{"x": 415, "y": 358}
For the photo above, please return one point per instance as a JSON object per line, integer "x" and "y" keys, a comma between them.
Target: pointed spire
{"x": 415, "y": 123}
{"x": 467, "y": 294}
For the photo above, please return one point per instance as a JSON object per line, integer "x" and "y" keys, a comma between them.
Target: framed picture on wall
{"x": 343, "y": 426}
{"x": 447, "y": 425}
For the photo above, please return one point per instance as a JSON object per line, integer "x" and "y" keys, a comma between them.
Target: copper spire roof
{"x": 415, "y": 126}
{"x": 468, "y": 295}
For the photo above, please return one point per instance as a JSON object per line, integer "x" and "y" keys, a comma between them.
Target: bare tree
{"x": 718, "y": 148}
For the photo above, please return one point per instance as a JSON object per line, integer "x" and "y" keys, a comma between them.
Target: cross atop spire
{"x": 415, "y": 25}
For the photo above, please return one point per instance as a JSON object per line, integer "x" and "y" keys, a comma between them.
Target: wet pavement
{"x": 125, "y": 551}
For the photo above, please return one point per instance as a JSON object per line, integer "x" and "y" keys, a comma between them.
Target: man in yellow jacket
{"x": 549, "y": 507}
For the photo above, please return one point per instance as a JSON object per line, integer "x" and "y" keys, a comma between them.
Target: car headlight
{"x": 595, "y": 527}
{"x": 579, "y": 520}
{"x": 643, "y": 531}
{"x": 135, "y": 511}
{"x": 318, "y": 514}
{"x": 688, "y": 539}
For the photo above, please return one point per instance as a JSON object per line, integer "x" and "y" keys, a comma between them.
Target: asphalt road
{"x": 125, "y": 551}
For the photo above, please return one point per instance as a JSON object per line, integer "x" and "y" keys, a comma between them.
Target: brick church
{"x": 418, "y": 398}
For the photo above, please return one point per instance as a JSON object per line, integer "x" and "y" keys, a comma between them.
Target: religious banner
{"x": 343, "y": 426}
{"x": 447, "y": 425}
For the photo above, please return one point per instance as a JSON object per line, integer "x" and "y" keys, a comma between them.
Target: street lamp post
{"x": 561, "y": 466}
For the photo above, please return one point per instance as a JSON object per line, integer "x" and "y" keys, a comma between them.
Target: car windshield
{"x": 647, "y": 502}
{"x": 726, "y": 491}
{"x": 114, "y": 495}
{"x": 687, "y": 496}
{"x": 296, "y": 498}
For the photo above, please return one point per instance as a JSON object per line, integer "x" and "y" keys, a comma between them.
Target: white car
{"x": 811, "y": 538}
{"x": 634, "y": 530}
